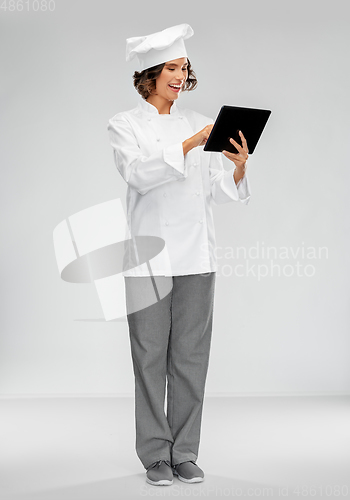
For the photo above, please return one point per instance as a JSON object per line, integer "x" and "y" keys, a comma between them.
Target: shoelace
{"x": 157, "y": 464}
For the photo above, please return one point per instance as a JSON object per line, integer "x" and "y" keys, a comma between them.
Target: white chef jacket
{"x": 170, "y": 195}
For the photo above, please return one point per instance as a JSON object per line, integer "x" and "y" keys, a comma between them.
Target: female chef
{"x": 172, "y": 184}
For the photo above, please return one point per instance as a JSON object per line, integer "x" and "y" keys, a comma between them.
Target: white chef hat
{"x": 160, "y": 47}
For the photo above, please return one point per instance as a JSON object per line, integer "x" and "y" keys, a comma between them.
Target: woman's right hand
{"x": 198, "y": 139}
{"x": 202, "y": 136}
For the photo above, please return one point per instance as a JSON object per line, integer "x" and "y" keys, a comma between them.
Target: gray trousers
{"x": 170, "y": 342}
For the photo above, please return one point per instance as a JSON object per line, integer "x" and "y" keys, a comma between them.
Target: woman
{"x": 172, "y": 183}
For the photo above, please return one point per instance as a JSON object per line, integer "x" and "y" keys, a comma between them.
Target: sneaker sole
{"x": 193, "y": 480}
{"x": 161, "y": 482}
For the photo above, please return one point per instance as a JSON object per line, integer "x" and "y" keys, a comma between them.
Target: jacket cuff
{"x": 237, "y": 193}
{"x": 174, "y": 156}
{"x": 243, "y": 189}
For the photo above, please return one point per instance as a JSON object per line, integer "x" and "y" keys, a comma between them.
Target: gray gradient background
{"x": 64, "y": 76}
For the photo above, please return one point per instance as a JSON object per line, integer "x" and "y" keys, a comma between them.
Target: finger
{"x": 237, "y": 157}
{"x": 237, "y": 146}
{"x": 244, "y": 141}
{"x": 232, "y": 156}
{"x": 241, "y": 150}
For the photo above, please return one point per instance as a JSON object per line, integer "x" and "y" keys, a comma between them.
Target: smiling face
{"x": 170, "y": 82}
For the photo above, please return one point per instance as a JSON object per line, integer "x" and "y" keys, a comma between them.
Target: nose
{"x": 180, "y": 75}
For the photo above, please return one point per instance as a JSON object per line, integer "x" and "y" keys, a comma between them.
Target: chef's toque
{"x": 158, "y": 48}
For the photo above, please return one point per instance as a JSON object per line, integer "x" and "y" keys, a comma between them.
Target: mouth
{"x": 175, "y": 87}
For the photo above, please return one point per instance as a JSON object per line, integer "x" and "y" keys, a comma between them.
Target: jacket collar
{"x": 149, "y": 108}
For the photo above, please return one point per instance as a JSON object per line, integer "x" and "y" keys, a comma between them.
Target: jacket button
{"x": 197, "y": 193}
{"x": 166, "y": 223}
{"x": 201, "y": 221}
{"x": 165, "y": 195}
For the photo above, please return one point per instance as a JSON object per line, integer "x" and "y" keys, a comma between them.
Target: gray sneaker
{"x": 188, "y": 472}
{"x": 160, "y": 473}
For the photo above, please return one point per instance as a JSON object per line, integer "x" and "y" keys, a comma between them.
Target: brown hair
{"x": 145, "y": 81}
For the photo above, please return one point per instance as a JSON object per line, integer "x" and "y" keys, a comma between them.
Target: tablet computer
{"x": 229, "y": 121}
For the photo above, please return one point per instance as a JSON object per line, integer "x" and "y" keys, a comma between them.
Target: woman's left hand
{"x": 238, "y": 159}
